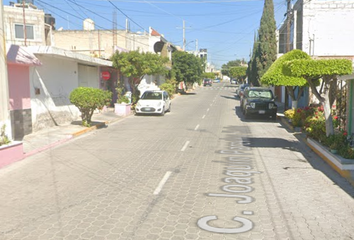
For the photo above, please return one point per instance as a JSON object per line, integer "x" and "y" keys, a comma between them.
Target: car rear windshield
{"x": 152, "y": 96}
{"x": 260, "y": 94}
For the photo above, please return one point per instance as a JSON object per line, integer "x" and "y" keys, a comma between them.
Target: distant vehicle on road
{"x": 258, "y": 101}
{"x": 233, "y": 81}
{"x": 153, "y": 102}
{"x": 216, "y": 80}
{"x": 207, "y": 82}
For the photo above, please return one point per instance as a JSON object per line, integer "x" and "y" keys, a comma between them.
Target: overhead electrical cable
{"x": 95, "y": 24}
{"x": 126, "y": 15}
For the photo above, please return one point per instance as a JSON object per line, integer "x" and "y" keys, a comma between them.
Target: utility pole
{"x": 24, "y": 22}
{"x": 196, "y": 45}
{"x": 114, "y": 32}
{"x": 99, "y": 43}
{"x": 184, "y": 35}
{"x": 4, "y": 85}
{"x": 288, "y": 20}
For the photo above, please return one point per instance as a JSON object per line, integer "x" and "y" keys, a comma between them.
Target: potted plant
{"x": 123, "y": 106}
{"x": 123, "y": 100}
{"x": 334, "y": 147}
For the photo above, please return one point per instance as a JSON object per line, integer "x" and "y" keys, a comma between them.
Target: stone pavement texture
{"x": 52, "y": 136}
{"x": 94, "y": 188}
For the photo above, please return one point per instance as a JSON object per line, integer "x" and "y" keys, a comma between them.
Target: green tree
{"x": 265, "y": 50}
{"x": 252, "y": 64}
{"x": 225, "y": 68}
{"x": 210, "y": 75}
{"x": 275, "y": 75}
{"x": 238, "y": 72}
{"x": 87, "y": 100}
{"x": 187, "y": 67}
{"x": 136, "y": 65}
{"x": 327, "y": 70}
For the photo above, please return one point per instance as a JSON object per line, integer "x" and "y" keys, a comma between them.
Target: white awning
{"x": 66, "y": 54}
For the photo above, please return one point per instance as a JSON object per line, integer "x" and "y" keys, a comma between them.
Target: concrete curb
{"x": 89, "y": 129}
{"x": 343, "y": 166}
{"x": 47, "y": 147}
{"x": 69, "y": 137}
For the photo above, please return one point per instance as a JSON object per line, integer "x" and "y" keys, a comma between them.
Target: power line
{"x": 188, "y": 2}
{"x": 126, "y": 15}
{"x": 95, "y": 24}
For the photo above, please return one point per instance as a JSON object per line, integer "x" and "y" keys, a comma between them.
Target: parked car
{"x": 216, "y": 80}
{"x": 207, "y": 82}
{"x": 258, "y": 101}
{"x": 153, "y": 102}
{"x": 233, "y": 81}
{"x": 240, "y": 89}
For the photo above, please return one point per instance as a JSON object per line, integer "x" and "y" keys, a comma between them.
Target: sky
{"x": 225, "y": 28}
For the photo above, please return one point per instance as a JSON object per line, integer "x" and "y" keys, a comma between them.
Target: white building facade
{"x": 322, "y": 29}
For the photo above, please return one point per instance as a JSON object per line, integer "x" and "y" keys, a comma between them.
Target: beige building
{"x": 25, "y": 25}
{"x": 103, "y": 43}
{"x": 100, "y": 43}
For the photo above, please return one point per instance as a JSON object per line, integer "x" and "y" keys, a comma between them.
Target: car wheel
{"x": 163, "y": 112}
{"x": 274, "y": 117}
{"x": 169, "y": 108}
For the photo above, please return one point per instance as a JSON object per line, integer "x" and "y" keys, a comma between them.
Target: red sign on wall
{"x": 105, "y": 75}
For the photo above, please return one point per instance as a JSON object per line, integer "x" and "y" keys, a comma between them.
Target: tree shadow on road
{"x": 273, "y": 143}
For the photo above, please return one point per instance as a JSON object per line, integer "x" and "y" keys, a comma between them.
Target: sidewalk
{"x": 53, "y": 136}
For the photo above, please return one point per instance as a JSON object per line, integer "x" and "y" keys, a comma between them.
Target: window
{"x": 20, "y": 34}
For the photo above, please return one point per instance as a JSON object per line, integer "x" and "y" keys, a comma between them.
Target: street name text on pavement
{"x": 239, "y": 174}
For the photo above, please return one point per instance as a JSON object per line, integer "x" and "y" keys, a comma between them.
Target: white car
{"x": 153, "y": 102}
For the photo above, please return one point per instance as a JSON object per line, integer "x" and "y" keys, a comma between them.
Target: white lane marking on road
{"x": 208, "y": 110}
{"x": 185, "y": 146}
{"x": 162, "y": 183}
{"x": 195, "y": 129}
{"x": 203, "y": 117}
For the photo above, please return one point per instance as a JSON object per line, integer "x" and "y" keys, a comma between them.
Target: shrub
{"x": 4, "y": 139}
{"x": 289, "y": 113}
{"x": 87, "y": 100}
{"x": 346, "y": 152}
{"x": 298, "y": 116}
{"x": 123, "y": 99}
{"x": 169, "y": 88}
{"x": 337, "y": 141}
{"x": 315, "y": 127}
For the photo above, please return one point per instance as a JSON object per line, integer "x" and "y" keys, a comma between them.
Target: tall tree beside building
{"x": 252, "y": 66}
{"x": 265, "y": 51}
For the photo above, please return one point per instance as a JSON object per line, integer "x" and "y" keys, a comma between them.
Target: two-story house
{"x": 45, "y": 88}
